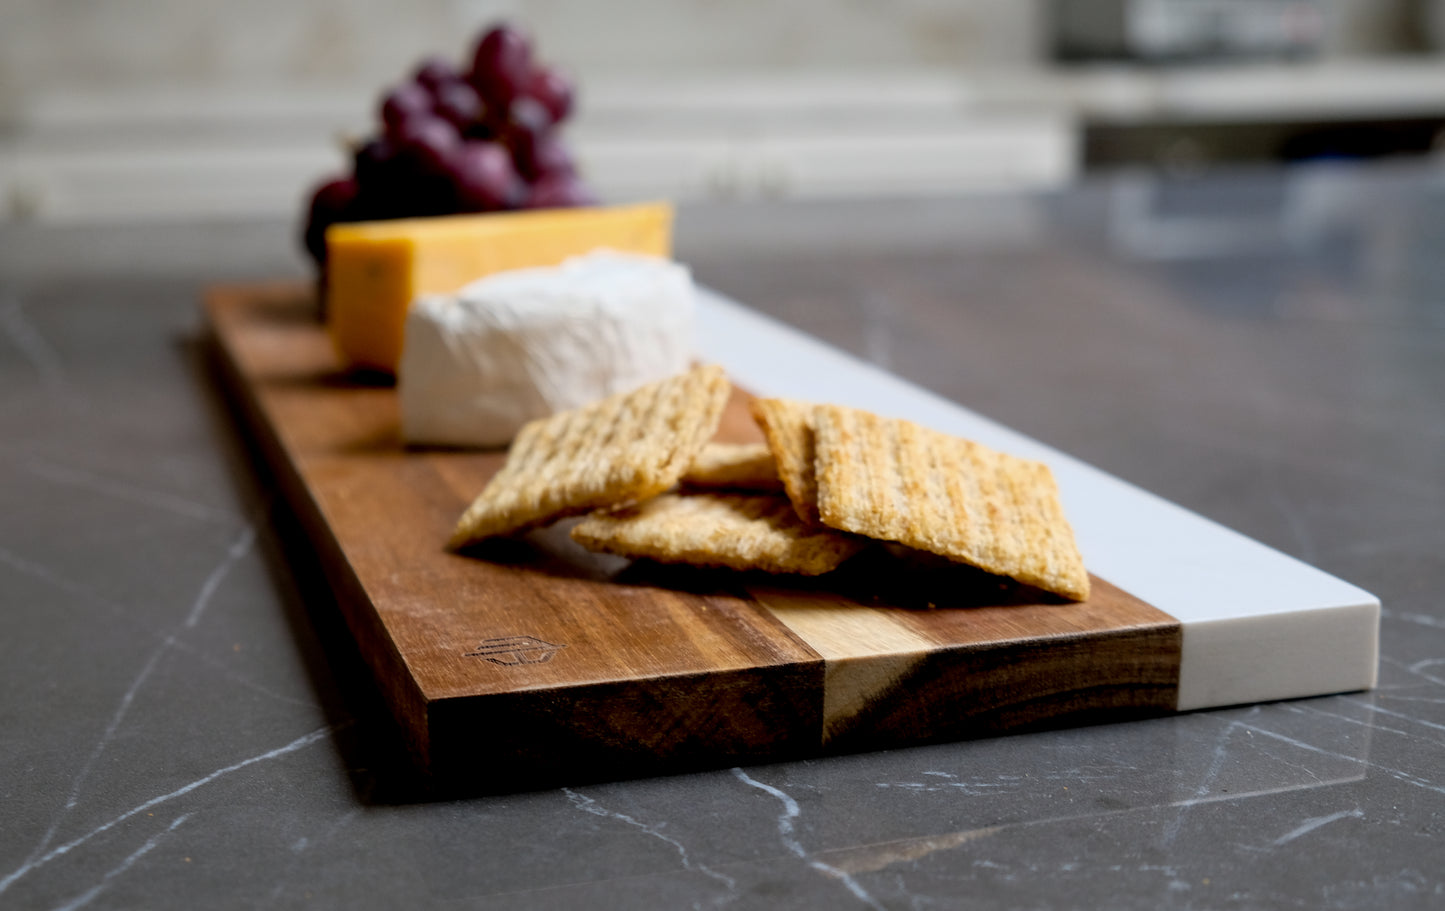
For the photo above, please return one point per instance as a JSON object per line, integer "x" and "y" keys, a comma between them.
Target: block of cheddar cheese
{"x": 374, "y": 270}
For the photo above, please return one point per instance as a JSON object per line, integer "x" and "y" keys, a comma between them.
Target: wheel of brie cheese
{"x": 525, "y": 344}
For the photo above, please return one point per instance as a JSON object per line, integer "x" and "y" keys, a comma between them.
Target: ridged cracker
{"x": 738, "y": 531}
{"x": 788, "y": 426}
{"x": 734, "y": 466}
{"x": 625, "y": 447}
{"x": 897, "y": 481}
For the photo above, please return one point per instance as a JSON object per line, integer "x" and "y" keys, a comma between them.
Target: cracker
{"x": 897, "y": 481}
{"x": 738, "y": 531}
{"x": 735, "y": 466}
{"x": 788, "y": 426}
{"x": 625, "y": 447}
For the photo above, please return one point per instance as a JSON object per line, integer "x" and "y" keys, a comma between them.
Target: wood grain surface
{"x": 532, "y": 661}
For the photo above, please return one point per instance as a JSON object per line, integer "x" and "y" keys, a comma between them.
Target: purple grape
{"x": 501, "y": 65}
{"x": 386, "y": 176}
{"x": 553, "y": 90}
{"x": 559, "y": 191}
{"x": 459, "y": 104}
{"x": 404, "y": 102}
{"x": 372, "y": 161}
{"x": 332, "y": 202}
{"x": 549, "y": 157}
{"x": 529, "y": 114}
{"x": 435, "y": 195}
{"x": 436, "y": 72}
{"x": 527, "y": 129}
{"x": 429, "y": 142}
{"x": 485, "y": 128}
{"x": 484, "y": 179}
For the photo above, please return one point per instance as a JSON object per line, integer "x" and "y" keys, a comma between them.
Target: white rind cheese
{"x": 525, "y": 344}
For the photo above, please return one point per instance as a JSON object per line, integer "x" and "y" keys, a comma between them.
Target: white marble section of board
{"x": 1257, "y": 624}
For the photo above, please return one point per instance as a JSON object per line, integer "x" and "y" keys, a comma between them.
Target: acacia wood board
{"x": 533, "y": 661}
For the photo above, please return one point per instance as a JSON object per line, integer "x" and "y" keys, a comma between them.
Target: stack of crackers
{"x": 828, "y": 482}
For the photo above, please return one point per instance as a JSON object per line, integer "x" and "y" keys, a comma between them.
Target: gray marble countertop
{"x": 185, "y": 723}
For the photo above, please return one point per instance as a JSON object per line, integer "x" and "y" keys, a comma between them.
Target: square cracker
{"x": 788, "y": 427}
{"x": 625, "y": 447}
{"x": 739, "y": 531}
{"x": 894, "y": 480}
{"x": 735, "y": 466}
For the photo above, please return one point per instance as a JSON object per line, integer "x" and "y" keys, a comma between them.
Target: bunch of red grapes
{"x": 480, "y": 139}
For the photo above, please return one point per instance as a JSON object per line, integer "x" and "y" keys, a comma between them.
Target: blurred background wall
{"x": 88, "y": 43}
{"x": 174, "y": 109}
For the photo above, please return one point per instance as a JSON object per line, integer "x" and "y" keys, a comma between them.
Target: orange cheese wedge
{"x": 376, "y": 269}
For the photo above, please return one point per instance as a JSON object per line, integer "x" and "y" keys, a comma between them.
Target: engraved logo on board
{"x": 514, "y": 650}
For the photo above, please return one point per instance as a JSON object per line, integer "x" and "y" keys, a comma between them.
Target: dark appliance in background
{"x": 1158, "y": 38}
{"x": 1172, "y": 30}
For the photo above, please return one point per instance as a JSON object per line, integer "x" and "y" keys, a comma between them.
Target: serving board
{"x": 533, "y": 661}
